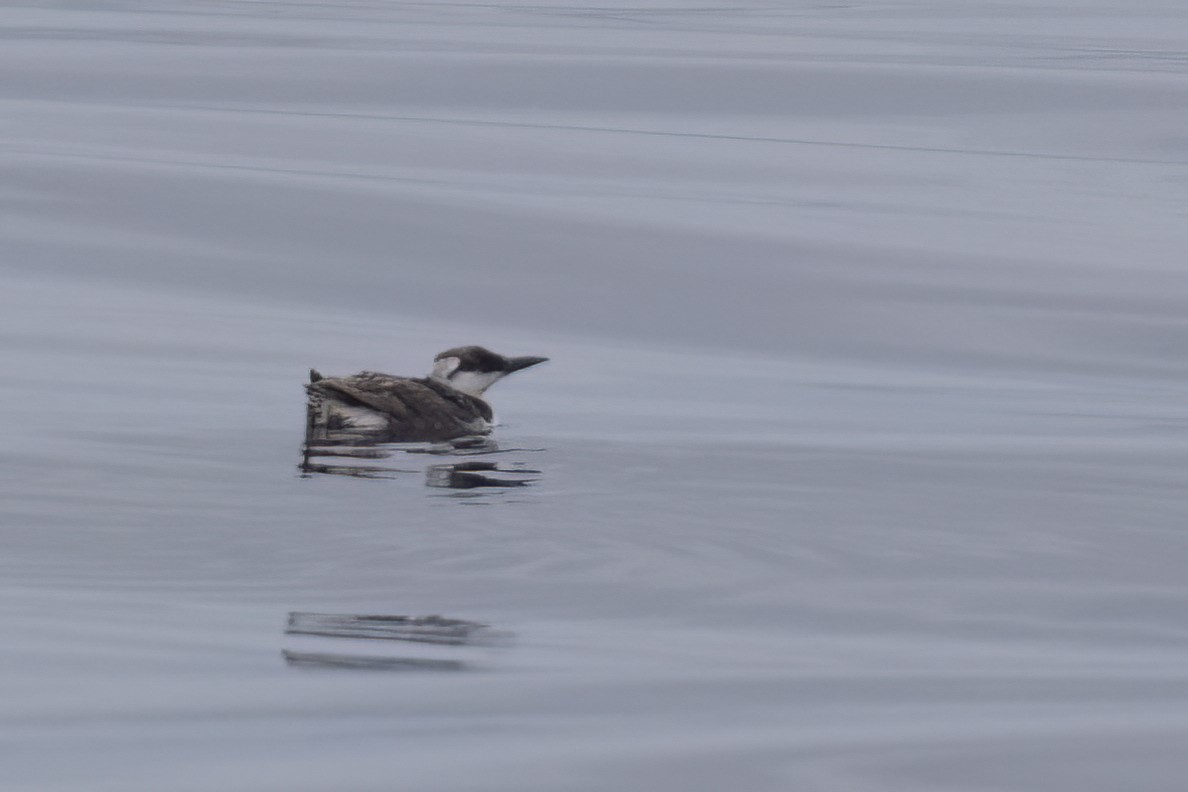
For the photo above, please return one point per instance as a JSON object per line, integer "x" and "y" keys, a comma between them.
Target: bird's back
{"x": 376, "y": 407}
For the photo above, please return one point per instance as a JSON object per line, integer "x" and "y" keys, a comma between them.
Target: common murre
{"x": 375, "y": 407}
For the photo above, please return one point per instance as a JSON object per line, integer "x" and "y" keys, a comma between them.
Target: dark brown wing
{"x": 464, "y": 403}
{"x": 417, "y": 409}
{"x": 388, "y": 395}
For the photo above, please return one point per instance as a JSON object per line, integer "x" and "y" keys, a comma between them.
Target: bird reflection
{"x": 435, "y": 630}
{"x": 327, "y": 458}
{"x": 471, "y": 475}
{"x": 349, "y": 662}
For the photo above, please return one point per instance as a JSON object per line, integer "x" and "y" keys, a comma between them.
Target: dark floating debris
{"x": 420, "y": 629}
{"x": 369, "y": 662}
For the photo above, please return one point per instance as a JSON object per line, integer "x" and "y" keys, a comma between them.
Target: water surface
{"x": 860, "y": 452}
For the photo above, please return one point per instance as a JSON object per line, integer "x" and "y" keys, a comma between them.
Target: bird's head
{"x": 473, "y": 369}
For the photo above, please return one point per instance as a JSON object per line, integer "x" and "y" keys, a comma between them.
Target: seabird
{"x": 375, "y": 407}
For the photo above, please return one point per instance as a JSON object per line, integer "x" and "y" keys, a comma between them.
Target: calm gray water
{"x": 861, "y": 452}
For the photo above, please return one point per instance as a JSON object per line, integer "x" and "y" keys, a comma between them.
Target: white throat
{"x": 471, "y": 382}
{"x": 474, "y": 382}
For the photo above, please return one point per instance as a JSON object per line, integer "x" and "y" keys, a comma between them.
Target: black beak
{"x": 517, "y": 363}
